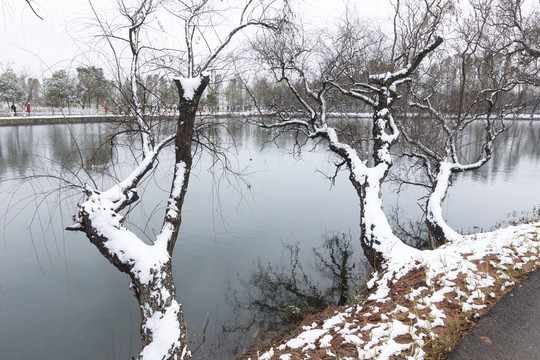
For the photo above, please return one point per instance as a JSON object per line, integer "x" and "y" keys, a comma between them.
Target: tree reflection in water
{"x": 281, "y": 296}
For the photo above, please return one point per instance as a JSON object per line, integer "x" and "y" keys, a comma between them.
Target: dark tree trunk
{"x": 436, "y": 234}
{"x": 187, "y": 110}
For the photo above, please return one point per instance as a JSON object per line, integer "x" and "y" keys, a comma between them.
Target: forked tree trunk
{"x": 163, "y": 330}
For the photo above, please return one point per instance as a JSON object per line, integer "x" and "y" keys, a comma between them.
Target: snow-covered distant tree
{"x": 212, "y": 100}
{"x": 11, "y": 88}
{"x": 60, "y": 89}
{"x": 369, "y": 67}
{"x": 101, "y": 213}
{"x": 270, "y": 95}
{"x": 167, "y": 93}
{"x": 234, "y": 94}
{"x": 92, "y": 86}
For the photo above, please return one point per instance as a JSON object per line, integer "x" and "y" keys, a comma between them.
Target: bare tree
{"x": 100, "y": 215}
{"x": 518, "y": 22}
{"x": 485, "y": 94}
{"x": 312, "y": 85}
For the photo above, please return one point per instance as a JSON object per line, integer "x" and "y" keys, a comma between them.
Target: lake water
{"x": 60, "y": 299}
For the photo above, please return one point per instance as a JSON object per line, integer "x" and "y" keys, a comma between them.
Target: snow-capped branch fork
{"x": 378, "y": 240}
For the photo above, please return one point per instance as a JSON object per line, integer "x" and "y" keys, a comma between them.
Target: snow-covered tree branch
{"x": 378, "y": 240}
{"x": 100, "y": 214}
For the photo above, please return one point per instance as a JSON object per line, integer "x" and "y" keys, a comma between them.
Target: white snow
{"x": 189, "y": 85}
{"x": 376, "y": 222}
{"x": 267, "y": 356}
{"x": 332, "y": 322}
{"x": 443, "y": 268}
{"x": 178, "y": 182}
{"x": 307, "y": 337}
{"x": 352, "y": 339}
{"x": 121, "y": 242}
{"x": 325, "y": 341}
{"x": 165, "y": 333}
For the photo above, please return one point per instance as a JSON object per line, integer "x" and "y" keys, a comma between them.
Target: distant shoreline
{"x": 80, "y": 119}
{"x": 61, "y": 119}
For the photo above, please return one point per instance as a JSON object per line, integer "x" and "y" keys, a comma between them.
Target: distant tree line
{"x": 90, "y": 87}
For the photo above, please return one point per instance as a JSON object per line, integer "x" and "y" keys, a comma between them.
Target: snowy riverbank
{"x": 421, "y": 307}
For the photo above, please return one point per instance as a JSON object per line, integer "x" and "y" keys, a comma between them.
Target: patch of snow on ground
{"x": 460, "y": 262}
{"x": 307, "y": 337}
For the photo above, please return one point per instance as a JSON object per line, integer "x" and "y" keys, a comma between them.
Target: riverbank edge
{"x": 79, "y": 119}
{"x": 423, "y": 313}
{"x": 109, "y": 118}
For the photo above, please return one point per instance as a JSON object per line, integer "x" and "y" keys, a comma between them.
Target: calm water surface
{"x": 60, "y": 299}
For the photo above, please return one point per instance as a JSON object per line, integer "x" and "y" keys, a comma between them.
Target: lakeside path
{"x": 510, "y": 330}
{"x": 78, "y": 119}
{"x": 57, "y": 119}
{"x": 420, "y": 308}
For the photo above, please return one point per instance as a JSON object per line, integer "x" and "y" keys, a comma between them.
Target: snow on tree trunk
{"x": 379, "y": 243}
{"x": 440, "y": 232}
{"x": 378, "y": 240}
{"x": 163, "y": 331}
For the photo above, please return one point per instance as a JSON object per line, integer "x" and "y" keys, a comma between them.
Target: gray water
{"x": 60, "y": 299}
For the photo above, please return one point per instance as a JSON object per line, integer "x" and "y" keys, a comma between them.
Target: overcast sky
{"x": 36, "y": 46}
